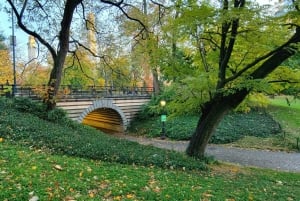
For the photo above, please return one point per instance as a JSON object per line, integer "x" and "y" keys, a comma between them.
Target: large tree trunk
{"x": 212, "y": 113}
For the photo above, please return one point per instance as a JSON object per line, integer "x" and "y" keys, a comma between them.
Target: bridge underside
{"x": 105, "y": 119}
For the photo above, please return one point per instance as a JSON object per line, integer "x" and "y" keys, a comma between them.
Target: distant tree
{"x": 144, "y": 54}
{"x": 34, "y": 74}
{"x": 2, "y": 44}
{"x": 6, "y": 73}
{"x": 78, "y": 69}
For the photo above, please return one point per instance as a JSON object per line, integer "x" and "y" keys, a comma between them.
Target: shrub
{"x": 153, "y": 109}
{"x": 233, "y": 127}
{"x": 56, "y": 115}
{"x": 39, "y": 109}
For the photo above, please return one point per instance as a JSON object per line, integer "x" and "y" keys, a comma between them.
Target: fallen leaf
{"x": 58, "y": 167}
{"x": 118, "y": 197}
{"x": 207, "y": 194}
{"x": 92, "y": 193}
{"x": 34, "y": 198}
{"x": 129, "y": 196}
{"x": 69, "y": 198}
{"x": 107, "y": 194}
{"x": 81, "y": 174}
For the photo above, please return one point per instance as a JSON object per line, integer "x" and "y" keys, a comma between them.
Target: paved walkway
{"x": 246, "y": 157}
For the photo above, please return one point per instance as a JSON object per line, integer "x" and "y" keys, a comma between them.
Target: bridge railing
{"x": 68, "y": 91}
{"x": 103, "y": 91}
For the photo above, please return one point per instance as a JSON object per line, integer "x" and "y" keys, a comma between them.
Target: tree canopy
{"x": 218, "y": 54}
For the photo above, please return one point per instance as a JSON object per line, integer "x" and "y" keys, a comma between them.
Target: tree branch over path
{"x": 285, "y": 48}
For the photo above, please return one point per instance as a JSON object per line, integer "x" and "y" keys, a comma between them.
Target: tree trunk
{"x": 212, "y": 113}
{"x": 59, "y": 58}
{"x": 156, "y": 87}
{"x": 55, "y": 80}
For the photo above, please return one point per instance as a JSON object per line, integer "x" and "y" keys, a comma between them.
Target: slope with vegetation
{"x": 25, "y": 122}
{"x": 44, "y": 156}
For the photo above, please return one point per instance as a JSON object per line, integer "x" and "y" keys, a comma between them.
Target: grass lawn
{"x": 33, "y": 173}
{"x": 288, "y": 116}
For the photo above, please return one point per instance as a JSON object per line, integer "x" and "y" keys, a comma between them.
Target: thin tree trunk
{"x": 156, "y": 87}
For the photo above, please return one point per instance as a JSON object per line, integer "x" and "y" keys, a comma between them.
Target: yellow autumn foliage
{"x": 6, "y": 71}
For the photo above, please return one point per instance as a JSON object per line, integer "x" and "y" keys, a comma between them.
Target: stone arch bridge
{"x": 106, "y": 108}
{"x": 110, "y": 114}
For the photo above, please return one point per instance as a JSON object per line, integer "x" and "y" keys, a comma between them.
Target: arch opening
{"x": 107, "y": 120}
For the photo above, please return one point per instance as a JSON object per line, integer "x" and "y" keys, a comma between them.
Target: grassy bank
{"x": 23, "y": 122}
{"x": 46, "y": 157}
{"x": 33, "y": 173}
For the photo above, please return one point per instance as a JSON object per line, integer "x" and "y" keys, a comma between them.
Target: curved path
{"x": 246, "y": 157}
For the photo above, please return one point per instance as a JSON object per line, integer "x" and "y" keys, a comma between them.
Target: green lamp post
{"x": 163, "y": 119}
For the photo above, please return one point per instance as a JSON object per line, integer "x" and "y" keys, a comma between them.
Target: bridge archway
{"x": 104, "y": 115}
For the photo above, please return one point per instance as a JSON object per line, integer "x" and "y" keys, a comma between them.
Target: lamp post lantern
{"x": 163, "y": 119}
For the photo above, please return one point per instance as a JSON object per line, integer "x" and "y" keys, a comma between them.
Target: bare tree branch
{"x": 27, "y": 30}
{"x": 118, "y": 5}
{"x": 283, "y": 81}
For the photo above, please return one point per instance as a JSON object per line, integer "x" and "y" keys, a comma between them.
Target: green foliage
{"x": 286, "y": 80}
{"x": 233, "y": 127}
{"x": 27, "y": 105}
{"x": 196, "y": 33}
{"x": 237, "y": 125}
{"x": 153, "y": 108}
{"x": 286, "y": 110}
{"x": 69, "y": 138}
{"x": 253, "y": 100}
{"x": 56, "y": 115}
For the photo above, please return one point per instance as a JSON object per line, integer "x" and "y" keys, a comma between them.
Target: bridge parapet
{"x": 70, "y": 92}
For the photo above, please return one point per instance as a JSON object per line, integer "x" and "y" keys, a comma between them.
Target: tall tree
{"x": 39, "y": 19}
{"x": 233, "y": 48}
{"x": 144, "y": 48}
